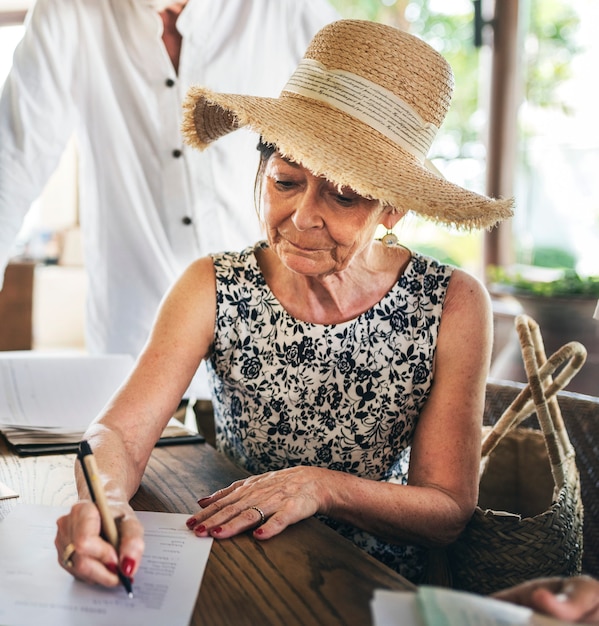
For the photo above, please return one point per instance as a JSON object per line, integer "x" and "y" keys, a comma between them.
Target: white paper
{"x": 446, "y": 607}
{"x": 34, "y": 589}
{"x": 395, "y": 608}
{"x": 7, "y": 492}
{"x": 47, "y": 390}
{"x": 438, "y": 606}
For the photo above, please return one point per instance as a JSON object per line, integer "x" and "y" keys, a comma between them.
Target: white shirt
{"x": 148, "y": 204}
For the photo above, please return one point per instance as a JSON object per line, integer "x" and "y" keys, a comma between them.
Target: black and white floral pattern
{"x": 343, "y": 396}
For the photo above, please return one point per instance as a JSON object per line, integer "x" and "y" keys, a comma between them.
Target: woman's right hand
{"x": 87, "y": 556}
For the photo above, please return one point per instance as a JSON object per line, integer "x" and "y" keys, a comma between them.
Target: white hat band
{"x": 366, "y": 101}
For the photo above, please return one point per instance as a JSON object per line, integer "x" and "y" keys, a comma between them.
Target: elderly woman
{"x": 348, "y": 373}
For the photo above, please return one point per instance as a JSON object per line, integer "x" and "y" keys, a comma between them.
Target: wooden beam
{"x": 12, "y": 18}
{"x": 502, "y": 141}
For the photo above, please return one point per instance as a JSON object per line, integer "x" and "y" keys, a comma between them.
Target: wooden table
{"x": 307, "y": 575}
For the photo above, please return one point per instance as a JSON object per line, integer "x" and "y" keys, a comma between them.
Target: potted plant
{"x": 562, "y": 302}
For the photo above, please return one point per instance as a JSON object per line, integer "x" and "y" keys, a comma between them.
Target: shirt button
{"x": 169, "y": 82}
{"x": 177, "y": 153}
{"x": 186, "y": 220}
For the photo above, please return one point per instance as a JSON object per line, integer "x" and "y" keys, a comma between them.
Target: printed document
{"x": 34, "y": 589}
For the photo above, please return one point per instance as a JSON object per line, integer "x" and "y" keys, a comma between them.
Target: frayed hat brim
{"x": 332, "y": 144}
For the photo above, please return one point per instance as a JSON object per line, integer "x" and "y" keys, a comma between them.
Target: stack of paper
{"x": 48, "y": 400}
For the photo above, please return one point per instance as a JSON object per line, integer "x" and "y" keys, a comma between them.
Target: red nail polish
{"x": 259, "y": 531}
{"x": 128, "y": 566}
{"x": 217, "y": 530}
{"x": 113, "y": 568}
{"x": 202, "y": 500}
{"x": 190, "y": 523}
{"x": 200, "y": 529}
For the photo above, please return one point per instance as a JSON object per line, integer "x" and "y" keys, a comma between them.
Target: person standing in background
{"x": 114, "y": 73}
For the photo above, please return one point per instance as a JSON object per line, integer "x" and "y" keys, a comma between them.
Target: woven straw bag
{"x": 529, "y": 518}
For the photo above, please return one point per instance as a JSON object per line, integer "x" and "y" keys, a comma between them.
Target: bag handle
{"x": 577, "y": 359}
{"x": 540, "y": 394}
{"x": 550, "y": 420}
{"x": 573, "y": 354}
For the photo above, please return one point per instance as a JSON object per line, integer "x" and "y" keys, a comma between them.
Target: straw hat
{"x": 362, "y": 110}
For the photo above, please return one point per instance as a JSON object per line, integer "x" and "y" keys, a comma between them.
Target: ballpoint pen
{"x": 96, "y": 491}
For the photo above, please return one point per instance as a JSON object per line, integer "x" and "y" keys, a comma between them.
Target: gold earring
{"x": 389, "y": 239}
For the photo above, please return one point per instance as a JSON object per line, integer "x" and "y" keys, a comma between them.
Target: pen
{"x": 96, "y": 491}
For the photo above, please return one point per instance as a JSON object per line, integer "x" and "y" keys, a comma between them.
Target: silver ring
{"x": 261, "y": 513}
{"x": 67, "y": 555}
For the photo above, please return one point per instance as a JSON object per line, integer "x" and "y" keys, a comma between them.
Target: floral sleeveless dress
{"x": 343, "y": 396}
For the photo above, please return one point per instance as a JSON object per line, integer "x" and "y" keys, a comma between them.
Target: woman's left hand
{"x": 267, "y": 503}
